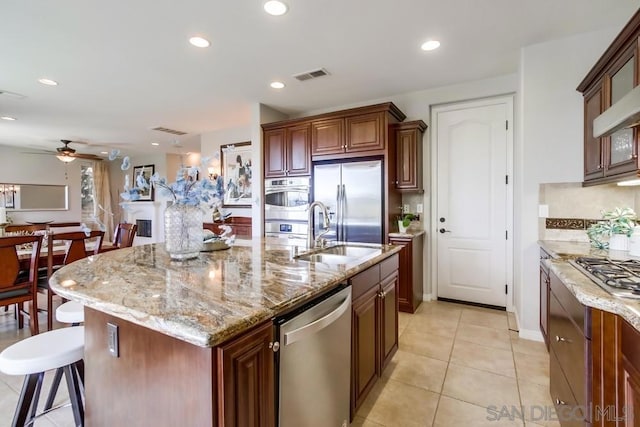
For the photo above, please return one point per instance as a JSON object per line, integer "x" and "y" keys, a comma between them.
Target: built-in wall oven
{"x": 285, "y": 206}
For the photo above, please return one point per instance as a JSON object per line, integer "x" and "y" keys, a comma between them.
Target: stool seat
{"x": 70, "y": 312}
{"x": 45, "y": 351}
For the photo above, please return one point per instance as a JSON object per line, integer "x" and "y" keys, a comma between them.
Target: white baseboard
{"x": 531, "y": 334}
{"x": 426, "y": 297}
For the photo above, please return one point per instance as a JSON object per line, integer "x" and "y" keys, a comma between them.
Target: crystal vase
{"x": 183, "y": 231}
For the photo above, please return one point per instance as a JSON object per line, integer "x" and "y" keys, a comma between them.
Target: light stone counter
{"x": 206, "y": 300}
{"x": 409, "y": 234}
{"x": 585, "y": 290}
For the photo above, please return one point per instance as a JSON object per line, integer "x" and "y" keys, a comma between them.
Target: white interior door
{"x": 472, "y": 141}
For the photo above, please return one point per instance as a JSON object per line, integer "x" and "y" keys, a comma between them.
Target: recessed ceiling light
{"x": 199, "y": 42}
{"x": 104, "y": 152}
{"x": 275, "y": 7}
{"x": 48, "y": 82}
{"x": 430, "y": 45}
{"x": 7, "y": 118}
{"x": 277, "y": 85}
{"x": 155, "y": 143}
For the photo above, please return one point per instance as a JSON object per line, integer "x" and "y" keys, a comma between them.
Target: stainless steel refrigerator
{"x": 352, "y": 192}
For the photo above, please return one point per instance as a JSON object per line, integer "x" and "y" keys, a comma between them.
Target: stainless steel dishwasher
{"x": 314, "y": 362}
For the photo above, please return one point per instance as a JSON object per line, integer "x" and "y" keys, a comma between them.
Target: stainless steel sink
{"x": 340, "y": 254}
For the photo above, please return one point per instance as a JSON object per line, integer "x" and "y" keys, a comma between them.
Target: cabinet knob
{"x": 634, "y": 156}
{"x": 275, "y": 346}
{"x": 560, "y": 402}
{"x": 562, "y": 339}
{"x": 599, "y": 166}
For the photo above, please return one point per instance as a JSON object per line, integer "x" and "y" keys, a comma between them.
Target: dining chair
{"x": 17, "y": 287}
{"x": 25, "y": 228}
{"x": 122, "y": 237}
{"x": 75, "y": 248}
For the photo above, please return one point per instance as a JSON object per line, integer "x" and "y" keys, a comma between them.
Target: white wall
{"x": 549, "y": 146}
{"x": 17, "y": 167}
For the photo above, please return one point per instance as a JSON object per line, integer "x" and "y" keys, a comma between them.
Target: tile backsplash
{"x": 573, "y": 208}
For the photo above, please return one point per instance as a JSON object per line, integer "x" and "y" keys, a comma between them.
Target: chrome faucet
{"x": 312, "y": 241}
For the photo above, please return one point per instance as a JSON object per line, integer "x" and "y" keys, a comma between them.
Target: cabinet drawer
{"x": 578, "y": 313}
{"x": 389, "y": 266}
{"x": 362, "y": 282}
{"x": 562, "y": 397}
{"x": 570, "y": 347}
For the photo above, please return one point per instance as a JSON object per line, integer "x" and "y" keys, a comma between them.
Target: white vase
{"x": 618, "y": 242}
{"x": 401, "y": 228}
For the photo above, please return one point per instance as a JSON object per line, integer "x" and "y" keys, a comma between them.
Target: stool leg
{"x": 80, "y": 369}
{"x": 54, "y": 389}
{"x": 74, "y": 395}
{"x": 30, "y": 386}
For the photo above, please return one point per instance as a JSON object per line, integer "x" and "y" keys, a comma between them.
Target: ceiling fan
{"x": 67, "y": 154}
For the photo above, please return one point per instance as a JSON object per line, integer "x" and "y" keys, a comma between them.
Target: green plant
{"x": 616, "y": 221}
{"x": 406, "y": 219}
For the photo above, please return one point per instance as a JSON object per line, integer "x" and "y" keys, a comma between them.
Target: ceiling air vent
{"x": 311, "y": 74}
{"x": 11, "y": 94}
{"x": 171, "y": 131}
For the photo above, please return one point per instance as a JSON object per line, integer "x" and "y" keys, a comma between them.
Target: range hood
{"x": 623, "y": 114}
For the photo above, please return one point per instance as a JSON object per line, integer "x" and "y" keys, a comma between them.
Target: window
{"x": 87, "y": 193}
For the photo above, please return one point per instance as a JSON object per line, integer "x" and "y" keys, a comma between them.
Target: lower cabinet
{"x": 240, "y": 226}
{"x": 544, "y": 297}
{"x": 246, "y": 385}
{"x": 629, "y": 377}
{"x": 411, "y": 271}
{"x": 374, "y": 323}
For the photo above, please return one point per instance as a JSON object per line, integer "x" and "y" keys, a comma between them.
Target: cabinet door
{"x": 593, "y": 161}
{"x": 298, "y": 154}
{"x": 629, "y": 399}
{"x": 247, "y": 385}
{"x": 409, "y": 160}
{"x": 621, "y": 152}
{"x": 364, "y": 346}
{"x": 327, "y": 137}
{"x": 404, "y": 275}
{"x": 365, "y": 132}
{"x": 274, "y": 153}
{"x": 388, "y": 319}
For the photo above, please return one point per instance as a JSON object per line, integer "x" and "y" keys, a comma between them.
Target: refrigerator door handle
{"x": 338, "y": 212}
{"x": 344, "y": 213}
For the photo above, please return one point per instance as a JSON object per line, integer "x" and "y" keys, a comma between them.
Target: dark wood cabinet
{"x": 630, "y": 376}
{"x": 612, "y": 157}
{"x": 287, "y": 151}
{"x": 408, "y": 137}
{"x": 410, "y": 271}
{"x": 327, "y": 137}
{"x": 240, "y": 226}
{"x": 570, "y": 349}
{"x": 247, "y": 384}
{"x": 544, "y": 297}
{"x": 374, "y": 326}
{"x": 365, "y": 132}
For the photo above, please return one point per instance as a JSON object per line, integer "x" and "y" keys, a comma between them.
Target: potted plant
{"x": 617, "y": 225}
{"x": 404, "y": 221}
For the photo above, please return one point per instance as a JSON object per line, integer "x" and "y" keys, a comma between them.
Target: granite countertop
{"x": 209, "y": 299}
{"x": 408, "y": 234}
{"x": 585, "y": 290}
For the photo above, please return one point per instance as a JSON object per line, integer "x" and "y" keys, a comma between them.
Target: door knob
{"x": 442, "y": 219}
{"x": 442, "y": 230}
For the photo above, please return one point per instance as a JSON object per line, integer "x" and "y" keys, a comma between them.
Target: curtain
{"x": 102, "y": 198}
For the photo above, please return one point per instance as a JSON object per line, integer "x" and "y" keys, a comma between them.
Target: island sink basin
{"x": 341, "y": 254}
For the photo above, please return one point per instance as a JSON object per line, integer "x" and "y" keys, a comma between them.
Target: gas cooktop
{"x": 619, "y": 278}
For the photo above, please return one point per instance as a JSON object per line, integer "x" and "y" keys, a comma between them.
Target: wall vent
{"x": 11, "y": 94}
{"x": 311, "y": 74}
{"x": 171, "y": 131}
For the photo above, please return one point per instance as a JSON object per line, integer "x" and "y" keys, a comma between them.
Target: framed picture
{"x": 147, "y": 171}
{"x": 9, "y": 194}
{"x": 237, "y": 174}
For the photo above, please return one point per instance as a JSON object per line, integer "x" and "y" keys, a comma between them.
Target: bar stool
{"x": 32, "y": 357}
{"x": 68, "y": 312}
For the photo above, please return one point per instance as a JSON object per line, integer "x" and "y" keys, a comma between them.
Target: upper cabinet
{"x": 287, "y": 151}
{"x": 408, "y": 137}
{"x": 614, "y": 155}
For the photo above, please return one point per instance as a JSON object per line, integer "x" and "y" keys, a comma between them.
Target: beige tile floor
{"x": 460, "y": 365}
{"x": 454, "y": 362}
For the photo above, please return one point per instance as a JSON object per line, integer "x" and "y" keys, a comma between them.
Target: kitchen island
{"x": 191, "y": 342}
